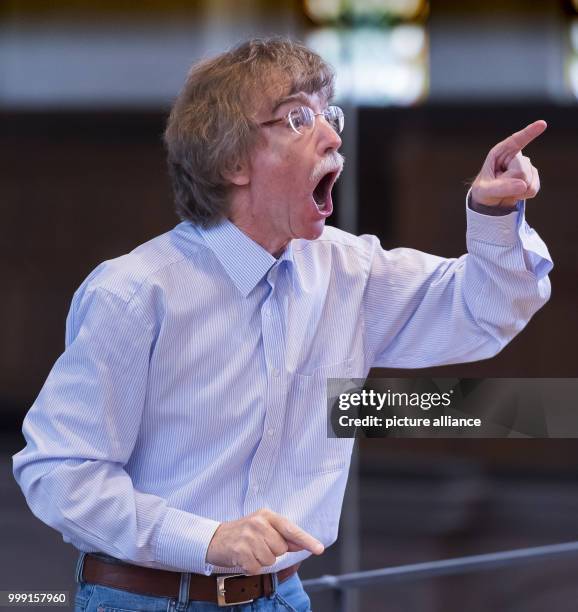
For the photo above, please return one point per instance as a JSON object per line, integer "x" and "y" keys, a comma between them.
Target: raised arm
{"x": 422, "y": 311}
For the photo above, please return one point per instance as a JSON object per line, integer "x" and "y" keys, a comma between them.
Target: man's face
{"x": 290, "y": 176}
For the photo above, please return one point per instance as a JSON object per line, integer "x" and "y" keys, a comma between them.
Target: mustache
{"x": 333, "y": 162}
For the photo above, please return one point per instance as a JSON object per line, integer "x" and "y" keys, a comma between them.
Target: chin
{"x": 314, "y": 230}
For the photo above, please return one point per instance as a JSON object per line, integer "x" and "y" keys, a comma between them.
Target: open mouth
{"x": 322, "y": 192}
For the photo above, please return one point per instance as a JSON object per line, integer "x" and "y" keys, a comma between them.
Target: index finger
{"x": 517, "y": 141}
{"x": 296, "y": 535}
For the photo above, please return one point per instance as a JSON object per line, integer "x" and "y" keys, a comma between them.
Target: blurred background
{"x": 428, "y": 88}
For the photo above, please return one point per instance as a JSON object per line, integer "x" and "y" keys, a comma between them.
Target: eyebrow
{"x": 299, "y": 97}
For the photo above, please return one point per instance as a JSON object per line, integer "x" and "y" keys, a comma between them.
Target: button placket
{"x": 273, "y": 347}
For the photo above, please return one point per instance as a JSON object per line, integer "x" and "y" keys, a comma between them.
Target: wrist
{"x": 494, "y": 211}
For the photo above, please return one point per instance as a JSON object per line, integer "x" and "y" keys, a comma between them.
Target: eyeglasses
{"x": 302, "y": 119}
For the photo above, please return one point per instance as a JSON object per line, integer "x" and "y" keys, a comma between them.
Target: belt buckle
{"x": 221, "y": 599}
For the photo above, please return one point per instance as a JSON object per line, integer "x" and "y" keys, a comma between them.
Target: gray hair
{"x": 211, "y": 130}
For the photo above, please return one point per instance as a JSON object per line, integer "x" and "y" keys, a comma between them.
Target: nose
{"x": 329, "y": 139}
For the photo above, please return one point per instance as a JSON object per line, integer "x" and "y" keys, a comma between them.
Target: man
{"x": 182, "y": 434}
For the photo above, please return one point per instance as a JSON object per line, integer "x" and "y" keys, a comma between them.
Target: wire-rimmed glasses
{"x": 302, "y": 118}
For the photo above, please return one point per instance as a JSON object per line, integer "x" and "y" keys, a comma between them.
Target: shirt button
{"x": 267, "y": 312}
{"x": 270, "y": 432}
{"x": 255, "y": 488}
{"x": 275, "y": 372}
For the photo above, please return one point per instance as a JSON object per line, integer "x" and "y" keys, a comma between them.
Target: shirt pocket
{"x": 314, "y": 447}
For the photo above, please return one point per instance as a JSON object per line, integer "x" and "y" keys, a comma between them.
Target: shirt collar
{"x": 293, "y": 268}
{"x": 244, "y": 261}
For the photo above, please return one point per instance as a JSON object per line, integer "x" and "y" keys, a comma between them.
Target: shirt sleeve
{"x": 80, "y": 433}
{"x": 421, "y": 310}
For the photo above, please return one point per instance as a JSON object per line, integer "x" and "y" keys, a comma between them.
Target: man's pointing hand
{"x": 507, "y": 176}
{"x": 255, "y": 541}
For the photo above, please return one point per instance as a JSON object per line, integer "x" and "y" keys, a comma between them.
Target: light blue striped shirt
{"x": 192, "y": 388}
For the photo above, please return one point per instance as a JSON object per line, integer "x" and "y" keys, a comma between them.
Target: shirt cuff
{"x": 500, "y": 230}
{"x": 183, "y": 541}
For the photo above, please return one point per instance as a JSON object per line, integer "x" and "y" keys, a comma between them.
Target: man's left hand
{"x": 508, "y": 176}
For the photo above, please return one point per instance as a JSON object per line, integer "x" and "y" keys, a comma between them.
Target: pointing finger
{"x": 517, "y": 141}
{"x": 295, "y": 535}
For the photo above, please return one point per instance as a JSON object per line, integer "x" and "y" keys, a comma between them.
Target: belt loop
{"x": 274, "y": 582}
{"x": 79, "y": 568}
{"x": 184, "y": 591}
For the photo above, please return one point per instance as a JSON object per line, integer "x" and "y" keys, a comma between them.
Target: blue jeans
{"x": 289, "y": 596}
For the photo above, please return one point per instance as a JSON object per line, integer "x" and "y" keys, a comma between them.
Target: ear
{"x": 238, "y": 175}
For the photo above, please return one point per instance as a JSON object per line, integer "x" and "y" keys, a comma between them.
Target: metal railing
{"x": 444, "y": 567}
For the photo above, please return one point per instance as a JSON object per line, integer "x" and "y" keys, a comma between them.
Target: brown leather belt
{"x": 222, "y": 589}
